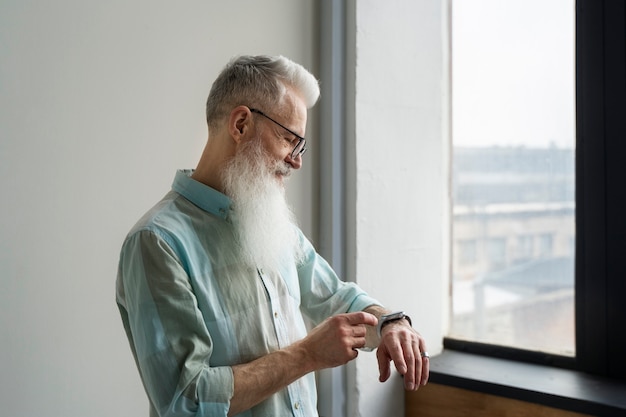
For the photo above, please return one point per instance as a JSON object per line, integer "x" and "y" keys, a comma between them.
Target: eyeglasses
{"x": 300, "y": 147}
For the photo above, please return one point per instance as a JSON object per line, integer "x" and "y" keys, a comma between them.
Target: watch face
{"x": 393, "y": 316}
{"x": 387, "y": 318}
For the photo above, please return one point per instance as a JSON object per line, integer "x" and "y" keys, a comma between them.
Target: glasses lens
{"x": 299, "y": 149}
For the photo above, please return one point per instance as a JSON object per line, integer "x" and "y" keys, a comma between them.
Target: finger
{"x": 425, "y": 370}
{"x": 405, "y": 353}
{"x": 416, "y": 368}
{"x": 361, "y": 317}
{"x": 359, "y": 331}
{"x": 384, "y": 370}
{"x": 359, "y": 342}
{"x": 409, "y": 364}
{"x": 395, "y": 353}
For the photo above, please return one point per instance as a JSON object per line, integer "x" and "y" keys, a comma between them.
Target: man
{"x": 215, "y": 280}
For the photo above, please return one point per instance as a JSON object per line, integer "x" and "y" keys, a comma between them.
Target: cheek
{"x": 276, "y": 150}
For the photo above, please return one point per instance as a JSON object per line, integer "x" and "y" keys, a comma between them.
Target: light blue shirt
{"x": 191, "y": 309}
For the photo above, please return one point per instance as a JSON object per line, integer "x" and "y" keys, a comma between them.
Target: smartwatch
{"x": 389, "y": 318}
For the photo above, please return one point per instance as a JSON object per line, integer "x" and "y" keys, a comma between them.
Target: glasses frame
{"x": 301, "y": 141}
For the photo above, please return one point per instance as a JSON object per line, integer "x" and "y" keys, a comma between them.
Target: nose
{"x": 296, "y": 162}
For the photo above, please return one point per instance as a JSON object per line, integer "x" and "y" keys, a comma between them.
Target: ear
{"x": 239, "y": 122}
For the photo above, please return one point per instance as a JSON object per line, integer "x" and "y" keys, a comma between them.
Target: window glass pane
{"x": 513, "y": 130}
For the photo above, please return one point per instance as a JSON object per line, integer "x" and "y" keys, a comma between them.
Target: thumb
{"x": 361, "y": 317}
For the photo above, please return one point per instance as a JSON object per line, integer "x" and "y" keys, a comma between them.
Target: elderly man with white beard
{"x": 215, "y": 280}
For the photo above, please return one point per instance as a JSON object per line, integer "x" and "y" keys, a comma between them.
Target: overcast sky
{"x": 513, "y": 73}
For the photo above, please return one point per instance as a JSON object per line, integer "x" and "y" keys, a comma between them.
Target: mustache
{"x": 283, "y": 169}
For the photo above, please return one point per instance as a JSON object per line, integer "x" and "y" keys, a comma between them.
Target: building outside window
{"x": 513, "y": 173}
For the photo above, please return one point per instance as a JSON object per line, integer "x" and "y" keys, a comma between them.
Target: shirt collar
{"x": 203, "y": 196}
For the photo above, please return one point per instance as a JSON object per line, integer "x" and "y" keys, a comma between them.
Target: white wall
{"x": 400, "y": 148}
{"x": 100, "y": 102}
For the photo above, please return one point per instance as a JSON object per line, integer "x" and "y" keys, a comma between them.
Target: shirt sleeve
{"x": 167, "y": 333}
{"x": 323, "y": 293}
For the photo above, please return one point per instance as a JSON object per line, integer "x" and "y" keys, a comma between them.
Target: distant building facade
{"x": 513, "y": 244}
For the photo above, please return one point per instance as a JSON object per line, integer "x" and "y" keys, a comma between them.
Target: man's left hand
{"x": 404, "y": 346}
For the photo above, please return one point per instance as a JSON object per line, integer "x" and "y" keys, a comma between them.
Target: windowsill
{"x": 552, "y": 387}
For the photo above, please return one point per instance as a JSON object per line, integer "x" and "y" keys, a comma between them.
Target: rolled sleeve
{"x": 168, "y": 335}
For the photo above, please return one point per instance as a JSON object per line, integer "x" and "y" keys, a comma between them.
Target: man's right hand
{"x": 332, "y": 343}
{"x": 335, "y": 341}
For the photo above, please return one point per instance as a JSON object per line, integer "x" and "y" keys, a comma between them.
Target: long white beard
{"x": 265, "y": 226}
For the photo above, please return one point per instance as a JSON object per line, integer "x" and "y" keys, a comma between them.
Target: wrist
{"x": 304, "y": 356}
{"x": 390, "y": 318}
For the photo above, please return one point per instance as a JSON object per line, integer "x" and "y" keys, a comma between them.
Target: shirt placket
{"x": 279, "y": 319}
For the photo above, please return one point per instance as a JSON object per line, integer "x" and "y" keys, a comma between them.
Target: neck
{"x": 208, "y": 176}
{"x": 209, "y": 168}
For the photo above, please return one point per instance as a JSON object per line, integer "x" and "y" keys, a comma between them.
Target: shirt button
{"x": 276, "y": 316}
{"x": 296, "y": 405}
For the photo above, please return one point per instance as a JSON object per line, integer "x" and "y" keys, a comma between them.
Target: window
{"x": 545, "y": 242}
{"x": 467, "y": 252}
{"x": 513, "y": 133}
{"x": 600, "y": 202}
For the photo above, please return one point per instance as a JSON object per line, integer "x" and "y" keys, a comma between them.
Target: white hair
{"x": 258, "y": 81}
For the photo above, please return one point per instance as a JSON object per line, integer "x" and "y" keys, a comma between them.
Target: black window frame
{"x": 600, "y": 268}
